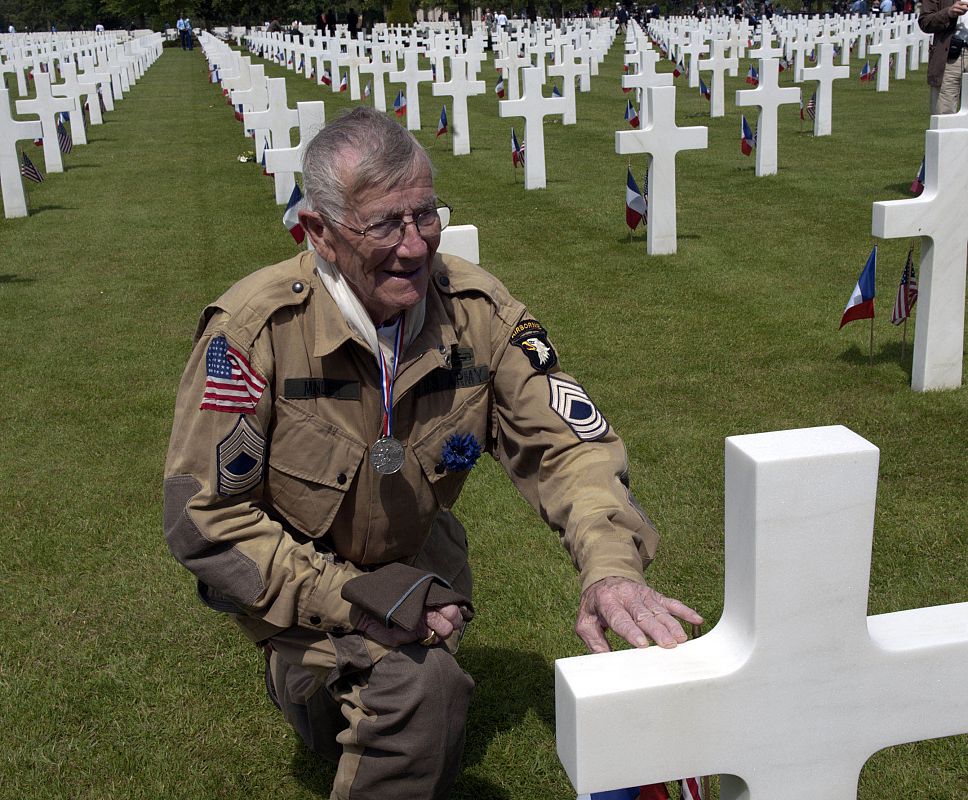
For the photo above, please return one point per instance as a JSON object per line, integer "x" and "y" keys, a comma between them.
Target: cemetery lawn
{"x": 116, "y": 682}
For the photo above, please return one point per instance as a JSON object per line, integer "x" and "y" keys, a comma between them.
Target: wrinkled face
{"x": 386, "y": 280}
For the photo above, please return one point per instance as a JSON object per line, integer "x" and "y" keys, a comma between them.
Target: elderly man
{"x": 325, "y": 424}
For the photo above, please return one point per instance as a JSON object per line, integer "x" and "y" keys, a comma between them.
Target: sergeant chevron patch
{"x": 240, "y": 459}
{"x": 575, "y": 407}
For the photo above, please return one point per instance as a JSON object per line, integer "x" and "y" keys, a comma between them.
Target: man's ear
{"x": 319, "y": 234}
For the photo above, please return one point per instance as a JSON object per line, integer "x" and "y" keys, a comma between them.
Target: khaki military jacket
{"x": 270, "y": 496}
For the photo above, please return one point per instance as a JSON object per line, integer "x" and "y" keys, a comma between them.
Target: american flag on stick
{"x": 907, "y": 292}
{"x": 231, "y": 384}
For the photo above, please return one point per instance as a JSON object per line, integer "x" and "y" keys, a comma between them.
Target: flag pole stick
{"x": 630, "y": 169}
{"x": 872, "y": 343}
{"x": 904, "y": 341}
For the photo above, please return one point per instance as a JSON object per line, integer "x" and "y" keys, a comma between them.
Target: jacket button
{"x": 315, "y": 620}
{"x": 440, "y": 469}
{"x": 297, "y": 287}
{"x": 341, "y": 478}
{"x": 443, "y": 280}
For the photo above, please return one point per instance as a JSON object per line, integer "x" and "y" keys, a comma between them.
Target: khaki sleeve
{"x": 565, "y": 459}
{"x": 214, "y": 518}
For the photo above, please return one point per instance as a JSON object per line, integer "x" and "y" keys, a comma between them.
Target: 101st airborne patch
{"x": 533, "y": 341}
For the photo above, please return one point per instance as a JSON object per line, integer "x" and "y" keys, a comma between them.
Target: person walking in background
{"x": 947, "y": 59}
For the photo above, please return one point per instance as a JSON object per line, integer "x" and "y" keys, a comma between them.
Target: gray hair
{"x": 363, "y": 149}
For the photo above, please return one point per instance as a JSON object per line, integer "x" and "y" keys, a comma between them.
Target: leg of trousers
{"x": 396, "y": 726}
{"x": 949, "y": 95}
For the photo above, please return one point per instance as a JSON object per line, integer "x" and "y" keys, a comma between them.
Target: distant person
{"x": 188, "y": 34}
{"x": 321, "y": 22}
{"x": 501, "y": 19}
{"x": 99, "y": 28}
{"x": 352, "y": 22}
{"x": 887, "y": 7}
{"x": 180, "y": 26}
{"x": 331, "y": 22}
{"x": 11, "y": 29}
{"x": 947, "y": 58}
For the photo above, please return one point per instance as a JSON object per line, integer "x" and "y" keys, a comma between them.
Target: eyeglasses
{"x": 388, "y": 233}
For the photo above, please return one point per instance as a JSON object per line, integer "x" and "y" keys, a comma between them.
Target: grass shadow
{"x": 889, "y": 353}
{"x": 10, "y": 278}
{"x": 42, "y": 209}
{"x": 508, "y": 685}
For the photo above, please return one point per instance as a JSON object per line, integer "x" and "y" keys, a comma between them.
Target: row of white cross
{"x": 936, "y": 365}
{"x": 84, "y": 84}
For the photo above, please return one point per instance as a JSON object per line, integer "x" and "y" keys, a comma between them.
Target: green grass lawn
{"x": 116, "y": 683}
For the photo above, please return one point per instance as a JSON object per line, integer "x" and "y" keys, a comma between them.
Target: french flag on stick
{"x": 748, "y": 141}
{"x": 291, "y": 216}
{"x": 631, "y": 115}
{"x": 635, "y": 205}
{"x": 861, "y": 303}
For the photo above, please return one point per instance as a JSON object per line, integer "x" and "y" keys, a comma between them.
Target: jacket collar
{"x": 332, "y": 330}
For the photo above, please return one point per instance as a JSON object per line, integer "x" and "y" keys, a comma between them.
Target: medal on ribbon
{"x": 387, "y": 453}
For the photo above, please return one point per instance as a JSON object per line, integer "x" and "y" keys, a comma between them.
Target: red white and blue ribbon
{"x": 387, "y": 376}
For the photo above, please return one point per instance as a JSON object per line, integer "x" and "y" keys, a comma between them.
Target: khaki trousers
{"x": 947, "y": 98}
{"x": 395, "y": 727}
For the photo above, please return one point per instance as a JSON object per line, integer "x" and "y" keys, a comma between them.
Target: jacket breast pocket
{"x": 312, "y": 465}
{"x": 461, "y": 430}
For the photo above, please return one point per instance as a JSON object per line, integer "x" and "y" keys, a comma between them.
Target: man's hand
{"x": 958, "y": 9}
{"x": 442, "y": 620}
{"x": 635, "y": 612}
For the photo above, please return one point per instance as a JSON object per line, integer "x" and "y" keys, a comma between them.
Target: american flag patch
{"x": 230, "y": 383}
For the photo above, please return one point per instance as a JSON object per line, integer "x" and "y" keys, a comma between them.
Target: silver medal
{"x": 386, "y": 455}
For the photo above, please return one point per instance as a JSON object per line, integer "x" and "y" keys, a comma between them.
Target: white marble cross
{"x": 766, "y": 49}
{"x": 284, "y": 162}
{"x": 511, "y": 65}
{"x": 883, "y": 51}
{"x": 353, "y": 60}
{"x": 695, "y": 49}
{"x": 459, "y": 88}
{"x": 718, "y": 63}
{"x": 663, "y": 140}
{"x": 47, "y": 107}
{"x": 278, "y": 119}
{"x": 568, "y": 69}
{"x": 643, "y": 78}
{"x": 534, "y": 107}
{"x": 84, "y": 91}
{"x": 73, "y": 92}
{"x": 769, "y": 97}
{"x": 796, "y": 687}
{"x": 825, "y": 73}
{"x": 412, "y": 76}
{"x": 379, "y": 68}
{"x": 11, "y": 132}
{"x": 938, "y": 217}
{"x": 102, "y": 82}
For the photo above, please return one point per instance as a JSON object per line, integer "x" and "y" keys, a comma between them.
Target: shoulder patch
{"x": 532, "y": 339}
{"x": 231, "y": 384}
{"x": 572, "y": 403}
{"x": 240, "y": 459}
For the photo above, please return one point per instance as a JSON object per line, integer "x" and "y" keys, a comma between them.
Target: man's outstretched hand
{"x": 635, "y": 611}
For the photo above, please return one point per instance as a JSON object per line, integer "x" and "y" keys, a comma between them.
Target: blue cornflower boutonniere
{"x": 460, "y": 452}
